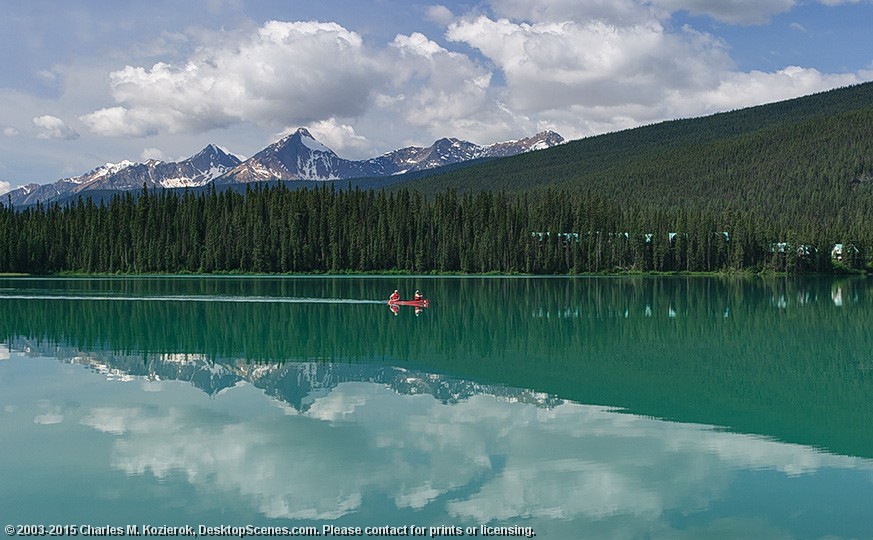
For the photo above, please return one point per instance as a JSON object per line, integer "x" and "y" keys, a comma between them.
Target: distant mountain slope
{"x": 786, "y": 155}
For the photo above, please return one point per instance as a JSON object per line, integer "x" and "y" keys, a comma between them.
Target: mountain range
{"x": 298, "y": 156}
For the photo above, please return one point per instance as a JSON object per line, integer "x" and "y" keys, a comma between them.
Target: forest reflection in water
{"x": 788, "y": 358}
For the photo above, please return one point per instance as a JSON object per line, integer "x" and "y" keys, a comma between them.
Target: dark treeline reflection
{"x": 789, "y": 358}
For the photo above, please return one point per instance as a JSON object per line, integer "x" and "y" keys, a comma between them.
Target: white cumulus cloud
{"x": 738, "y": 89}
{"x": 340, "y": 137}
{"x": 441, "y": 91}
{"x": 282, "y": 73}
{"x": 551, "y": 66}
{"x": 52, "y": 127}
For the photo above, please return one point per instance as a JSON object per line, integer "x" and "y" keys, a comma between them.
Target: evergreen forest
{"x": 276, "y": 229}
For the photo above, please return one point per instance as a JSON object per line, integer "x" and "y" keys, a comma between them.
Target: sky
{"x": 85, "y": 83}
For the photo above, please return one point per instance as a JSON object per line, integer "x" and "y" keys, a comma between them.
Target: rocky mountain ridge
{"x": 298, "y": 156}
{"x": 198, "y": 170}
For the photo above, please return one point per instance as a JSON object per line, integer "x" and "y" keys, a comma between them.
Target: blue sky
{"x": 89, "y": 82}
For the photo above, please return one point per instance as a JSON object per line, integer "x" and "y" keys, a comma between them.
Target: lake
{"x": 607, "y": 407}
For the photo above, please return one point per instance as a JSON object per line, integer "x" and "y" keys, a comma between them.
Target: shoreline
{"x": 404, "y": 274}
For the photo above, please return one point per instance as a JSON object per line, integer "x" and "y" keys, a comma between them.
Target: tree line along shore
{"x": 275, "y": 229}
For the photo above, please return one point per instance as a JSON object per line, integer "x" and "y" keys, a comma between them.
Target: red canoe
{"x": 414, "y": 303}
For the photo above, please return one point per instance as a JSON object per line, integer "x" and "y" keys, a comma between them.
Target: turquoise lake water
{"x": 629, "y": 407}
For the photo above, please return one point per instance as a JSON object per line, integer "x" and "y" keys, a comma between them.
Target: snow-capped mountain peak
{"x": 298, "y": 156}
{"x": 101, "y": 171}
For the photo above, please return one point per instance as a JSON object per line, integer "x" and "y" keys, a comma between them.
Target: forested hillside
{"x": 808, "y": 155}
{"x": 783, "y": 187}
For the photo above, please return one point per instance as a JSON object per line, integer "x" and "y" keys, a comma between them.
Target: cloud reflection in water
{"x": 483, "y": 458}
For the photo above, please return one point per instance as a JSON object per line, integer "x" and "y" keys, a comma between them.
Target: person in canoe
{"x": 395, "y": 296}
{"x": 417, "y": 295}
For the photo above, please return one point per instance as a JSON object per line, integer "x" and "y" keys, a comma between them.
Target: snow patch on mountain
{"x": 314, "y": 145}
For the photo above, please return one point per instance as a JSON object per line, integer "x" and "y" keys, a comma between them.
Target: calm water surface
{"x": 576, "y": 407}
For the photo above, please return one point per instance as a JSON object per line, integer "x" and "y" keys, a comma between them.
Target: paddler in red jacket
{"x": 417, "y": 295}
{"x": 395, "y": 296}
